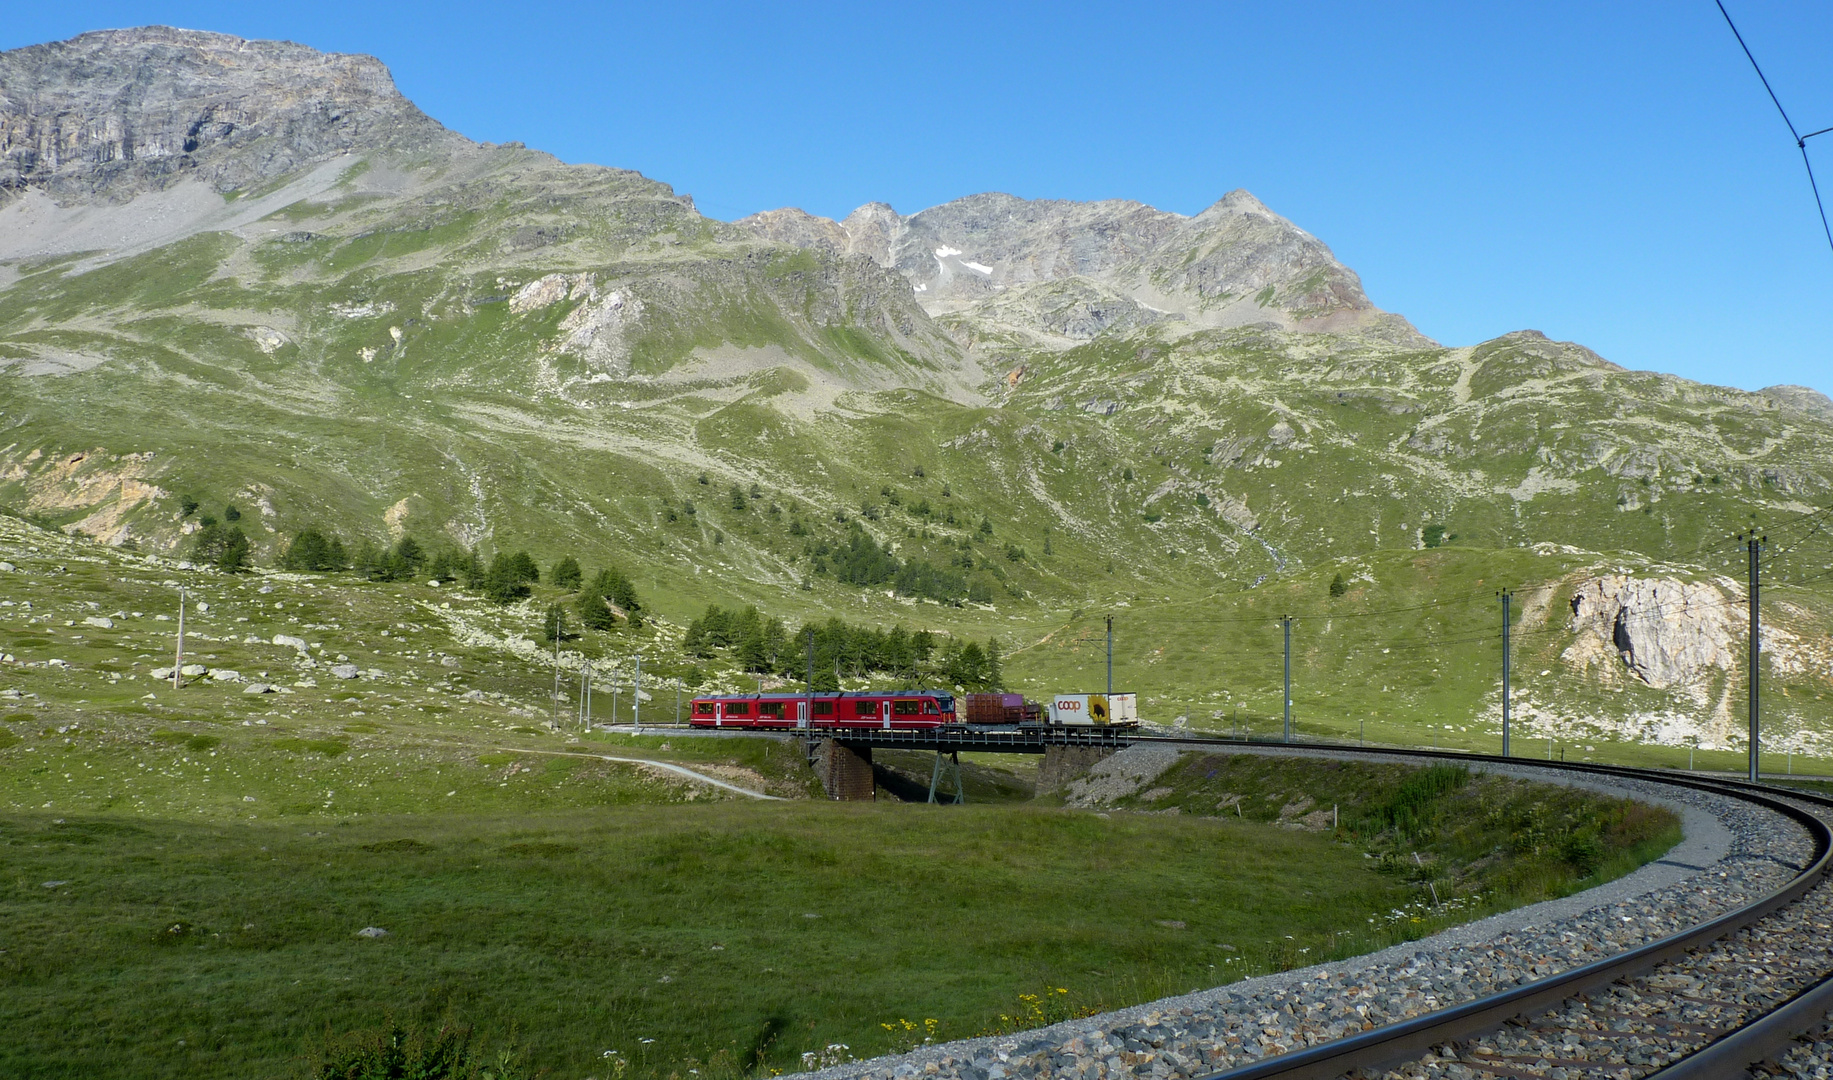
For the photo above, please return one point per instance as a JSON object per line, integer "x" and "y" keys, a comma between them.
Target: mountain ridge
{"x": 1087, "y": 406}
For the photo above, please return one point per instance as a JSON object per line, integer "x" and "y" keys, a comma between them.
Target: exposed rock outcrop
{"x": 114, "y": 113}
{"x": 1666, "y": 632}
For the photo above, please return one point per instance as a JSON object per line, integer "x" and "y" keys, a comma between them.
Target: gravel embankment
{"x": 1732, "y": 853}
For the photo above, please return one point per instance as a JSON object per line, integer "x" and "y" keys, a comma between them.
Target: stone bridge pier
{"x": 845, "y": 771}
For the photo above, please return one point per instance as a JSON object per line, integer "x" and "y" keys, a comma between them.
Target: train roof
{"x": 802, "y": 695}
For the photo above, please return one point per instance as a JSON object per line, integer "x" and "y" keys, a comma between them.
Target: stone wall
{"x": 1062, "y": 764}
{"x": 845, "y": 772}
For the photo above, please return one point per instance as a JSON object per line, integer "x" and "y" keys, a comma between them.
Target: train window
{"x": 929, "y": 706}
{"x": 824, "y": 708}
{"x": 906, "y": 708}
{"x": 703, "y": 708}
{"x": 770, "y": 708}
{"x": 865, "y": 708}
{"x": 738, "y": 708}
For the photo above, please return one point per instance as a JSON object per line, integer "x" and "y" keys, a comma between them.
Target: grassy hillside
{"x": 718, "y": 416}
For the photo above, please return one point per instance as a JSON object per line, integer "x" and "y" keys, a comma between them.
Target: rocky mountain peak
{"x": 1061, "y": 269}
{"x": 110, "y": 114}
{"x": 1238, "y": 201}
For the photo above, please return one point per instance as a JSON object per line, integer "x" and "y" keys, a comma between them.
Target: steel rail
{"x": 1393, "y": 1044}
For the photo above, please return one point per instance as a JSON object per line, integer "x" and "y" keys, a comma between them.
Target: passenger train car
{"x": 910, "y": 710}
{"x": 888, "y": 710}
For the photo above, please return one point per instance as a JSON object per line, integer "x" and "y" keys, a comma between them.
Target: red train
{"x": 886, "y": 710}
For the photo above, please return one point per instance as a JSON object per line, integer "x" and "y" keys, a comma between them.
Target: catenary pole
{"x": 1506, "y": 597}
{"x": 636, "y": 694}
{"x": 1110, "y": 656}
{"x": 1286, "y": 622}
{"x": 808, "y": 689}
{"x": 557, "y": 629}
{"x": 1754, "y": 546}
{"x": 178, "y": 660}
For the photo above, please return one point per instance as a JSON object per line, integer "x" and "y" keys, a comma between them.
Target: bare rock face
{"x": 1801, "y": 399}
{"x": 111, "y": 114}
{"x": 1666, "y": 632}
{"x": 1124, "y": 264}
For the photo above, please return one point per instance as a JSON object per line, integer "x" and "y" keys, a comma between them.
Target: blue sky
{"x": 1611, "y": 174}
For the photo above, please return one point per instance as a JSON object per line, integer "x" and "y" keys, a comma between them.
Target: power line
{"x": 1801, "y": 141}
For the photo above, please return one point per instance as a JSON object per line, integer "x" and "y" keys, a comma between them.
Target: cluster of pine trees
{"x": 764, "y": 645}
{"x": 221, "y": 544}
{"x": 508, "y": 576}
{"x": 860, "y": 560}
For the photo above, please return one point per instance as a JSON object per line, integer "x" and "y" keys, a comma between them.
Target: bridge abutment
{"x": 1062, "y": 764}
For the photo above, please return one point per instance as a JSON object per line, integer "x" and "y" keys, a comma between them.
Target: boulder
{"x": 258, "y": 688}
{"x": 372, "y": 932}
{"x": 7, "y": 568}
{"x": 346, "y": 671}
{"x": 192, "y": 671}
{"x": 225, "y": 675}
{"x": 100, "y": 622}
{"x": 290, "y": 642}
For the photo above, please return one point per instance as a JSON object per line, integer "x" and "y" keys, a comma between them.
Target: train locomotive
{"x": 909, "y": 710}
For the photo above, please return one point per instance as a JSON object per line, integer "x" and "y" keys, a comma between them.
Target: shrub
{"x": 396, "y": 1054}
{"x": 1338, "y": 586}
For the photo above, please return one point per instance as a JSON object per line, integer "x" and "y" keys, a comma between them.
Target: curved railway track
{"x": 1711, "y": 1001}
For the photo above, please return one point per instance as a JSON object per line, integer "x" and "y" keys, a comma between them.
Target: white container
{"x": 1094, "y": 710}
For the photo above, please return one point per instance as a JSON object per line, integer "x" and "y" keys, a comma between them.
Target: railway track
{"x": 1732, "y": 978}
{"x": 1747, "y": 993}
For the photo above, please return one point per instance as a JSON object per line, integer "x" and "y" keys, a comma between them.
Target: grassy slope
{"x": 471, "y": 428}
{"x": 220, "y": 850}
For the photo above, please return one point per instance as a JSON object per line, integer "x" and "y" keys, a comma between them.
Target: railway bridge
{"x": 843, "y": 757}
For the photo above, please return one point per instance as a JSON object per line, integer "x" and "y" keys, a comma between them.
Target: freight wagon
{"x": 1095, "y": 710}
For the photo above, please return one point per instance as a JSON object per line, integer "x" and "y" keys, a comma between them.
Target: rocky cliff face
{"x": 1070, "y": 270}
{"x": 1667, "y": 632}
{"x": 115, "y": 113}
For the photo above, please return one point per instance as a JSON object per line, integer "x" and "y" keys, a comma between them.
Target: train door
{"x": 884, "y": 709}
{"x": 802, "y": 714}
{"x": 719, "y": 713}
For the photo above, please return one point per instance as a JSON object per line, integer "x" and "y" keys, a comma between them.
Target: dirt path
{"x": 689, "y": 773}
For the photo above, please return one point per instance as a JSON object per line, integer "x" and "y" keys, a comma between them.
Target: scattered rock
{"x": 7, "y": 568}
{"x": 60, "y": 664}
{"x": 192, "y": 671}
{"x": 55, "y": 884}
{"x": 290, "y": 641}
{"x": 346, "y": 671}
{"x": 259, "y": 688}
{"x": 225, "y": 675}
{"x": 372, "y": 932}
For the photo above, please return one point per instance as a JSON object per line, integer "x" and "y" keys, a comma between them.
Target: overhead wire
{"x": 1801, "y": 141}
